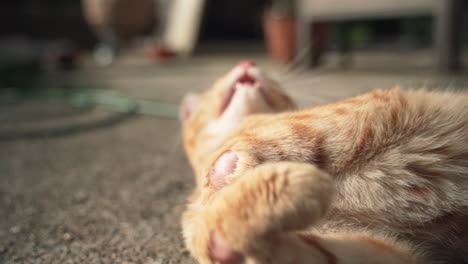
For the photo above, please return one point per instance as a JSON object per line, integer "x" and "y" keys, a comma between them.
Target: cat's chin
{"x": 245, "y": 100}
{"x": 246, "y": 85}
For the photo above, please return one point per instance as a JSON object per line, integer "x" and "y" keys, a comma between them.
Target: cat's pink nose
{"x": 247, "y": 64}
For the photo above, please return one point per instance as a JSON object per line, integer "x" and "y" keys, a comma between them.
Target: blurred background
{"x": 91, "y": 166}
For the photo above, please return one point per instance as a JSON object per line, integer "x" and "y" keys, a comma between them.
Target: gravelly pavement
{"x": 110, "y": 187}
{"x": 110, "y": 194}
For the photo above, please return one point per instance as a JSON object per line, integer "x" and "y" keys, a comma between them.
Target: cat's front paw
{"x": 254, "y": 216}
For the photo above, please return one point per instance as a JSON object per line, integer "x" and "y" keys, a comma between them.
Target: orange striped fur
{"x": 379, "y": 178}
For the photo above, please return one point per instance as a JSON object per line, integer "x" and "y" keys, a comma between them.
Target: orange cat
{"x": 379, "y": 178}
{"x": 210, "y": 118}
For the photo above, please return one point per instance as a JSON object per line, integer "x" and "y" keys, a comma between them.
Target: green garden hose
{"x": 109, "y": 99}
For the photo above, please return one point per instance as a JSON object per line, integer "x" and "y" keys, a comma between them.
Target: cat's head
{"x": 210, "y": 117}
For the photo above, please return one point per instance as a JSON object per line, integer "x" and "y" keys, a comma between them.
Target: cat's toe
{"x": 221, "y": 252}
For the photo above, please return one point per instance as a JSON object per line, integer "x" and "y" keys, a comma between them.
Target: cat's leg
{"x": 354, "y": 248}
{"x": 272, "y": 197}
{"x": 254, "y": 220}
{"x": 269, "y": 198}
{"x": 305, "y": 248}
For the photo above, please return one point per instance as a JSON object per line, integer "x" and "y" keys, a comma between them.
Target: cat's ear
{"x": 189, "y": 104}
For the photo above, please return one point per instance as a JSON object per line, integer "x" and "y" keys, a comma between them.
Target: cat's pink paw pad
{"x": 220, "y": 252}
{"x": 225, "y": 165}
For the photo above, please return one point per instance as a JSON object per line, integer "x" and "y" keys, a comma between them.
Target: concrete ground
{"x": 96, "y": 186}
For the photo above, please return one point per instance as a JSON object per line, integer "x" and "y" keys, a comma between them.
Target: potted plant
{"x": 116, "y": 22}
{"x": 279, "y": 25}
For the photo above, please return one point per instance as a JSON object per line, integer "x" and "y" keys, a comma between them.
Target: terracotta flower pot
{"x": 280, "y": 35}
{"x": 124, "y": 18}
